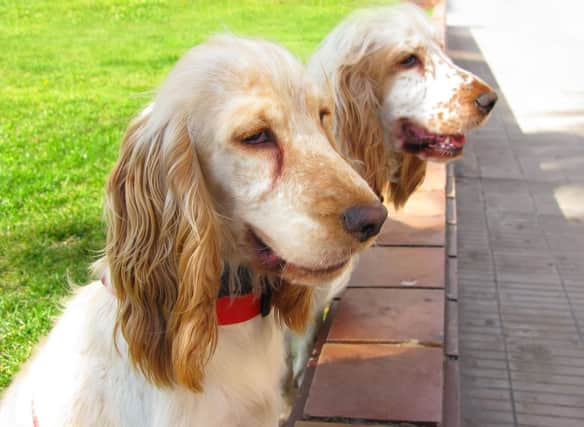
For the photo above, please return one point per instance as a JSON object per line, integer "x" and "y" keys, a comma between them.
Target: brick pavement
{"x": 520, "y": 219}
{"x": 380, "y": 357}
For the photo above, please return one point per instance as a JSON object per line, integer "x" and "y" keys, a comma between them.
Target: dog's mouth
{"x": 267, "y": 259}
{"x": 427, "y": 145}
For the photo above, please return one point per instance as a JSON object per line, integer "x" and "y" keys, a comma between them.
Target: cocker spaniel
{"x": 228, "y": 201}
{"x": 399, "y": 102}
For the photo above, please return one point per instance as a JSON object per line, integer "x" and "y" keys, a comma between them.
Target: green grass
{"x": 72, "y": 74}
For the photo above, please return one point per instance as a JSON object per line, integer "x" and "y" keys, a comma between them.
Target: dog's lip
{"x": 418, "y": 140}
{"x": 271, "y": 261}
{"x": 264, "y": 253}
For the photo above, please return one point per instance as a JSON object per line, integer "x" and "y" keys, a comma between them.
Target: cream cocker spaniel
{"x": 227, "y": 186}
{"x": 399, "y": 102}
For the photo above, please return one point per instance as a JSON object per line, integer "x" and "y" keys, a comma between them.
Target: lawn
{"x": 72, "y": 74}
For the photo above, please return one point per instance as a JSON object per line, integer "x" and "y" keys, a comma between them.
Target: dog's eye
{"x": 261, "y": 137}
{"x": 410, "y": 61}
{"x": 323, "y": 113}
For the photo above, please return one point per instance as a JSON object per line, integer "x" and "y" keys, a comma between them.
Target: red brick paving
{"x": 390, "y": 315}
{"x": 377, "y": 382}
{"x": 400, "y": 266}
{"x": 413, "y": 230}
{"x": 380, "y": 357}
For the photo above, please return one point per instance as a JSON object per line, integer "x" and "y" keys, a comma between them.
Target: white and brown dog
{"x": 399, "y": 102}
{"x": 228, "y": 201}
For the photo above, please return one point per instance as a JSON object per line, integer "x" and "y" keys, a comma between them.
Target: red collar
{"x": 237, "y": 309}
{"x": 230, "y": 309}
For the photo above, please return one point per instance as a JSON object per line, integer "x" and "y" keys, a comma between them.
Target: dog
{"x": 227, "y": 204}
{"x": 399, "y": 103}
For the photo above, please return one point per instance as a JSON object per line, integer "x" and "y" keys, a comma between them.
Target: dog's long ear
{"x": 163, "y": 251}
{"x": 408, "y": 177}
{"x": 358, "y": 126}
{"x": 393, "y": 176}
{"x": 293, "y": 305}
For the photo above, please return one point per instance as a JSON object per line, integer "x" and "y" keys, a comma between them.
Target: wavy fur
{"x": 394, "y": 176}
{"x": 162, "y": 229}
{"x": 186, "y": 201}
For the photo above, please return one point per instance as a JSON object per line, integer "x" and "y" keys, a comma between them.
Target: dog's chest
{"x": 242, "y": 381}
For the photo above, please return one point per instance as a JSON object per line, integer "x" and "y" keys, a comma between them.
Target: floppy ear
{"x": 293, "y": 305}
{"x": 163, "y": 251}
{"x": 408, "y": 177}
{"x": 393, "y": 176}
{"x": 357, "y": 104}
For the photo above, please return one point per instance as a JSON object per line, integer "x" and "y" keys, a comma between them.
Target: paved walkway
{"x": 520, "y": 202}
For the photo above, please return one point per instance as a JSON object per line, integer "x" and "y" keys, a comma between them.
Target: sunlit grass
{"x": 72, "y": 74}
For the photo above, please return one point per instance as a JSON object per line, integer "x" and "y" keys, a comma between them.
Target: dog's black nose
{"x": 364, "y": 221}
{"x": 486, "y": 101}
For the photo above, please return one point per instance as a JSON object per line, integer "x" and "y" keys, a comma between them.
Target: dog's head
{"x": 400, "y": 100}
{"x": 231, "y": 165}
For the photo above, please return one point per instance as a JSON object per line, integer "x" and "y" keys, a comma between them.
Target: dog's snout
{"x": 364, "y": 221}
{"x": 486, "y": 101}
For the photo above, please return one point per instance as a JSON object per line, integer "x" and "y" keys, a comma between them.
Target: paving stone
{"x": 541, "y": 328}
{"x": 545, "y": 377}
{"x": 466, "y": 329}
{"x": 390, "y": 315}
{"x": 546, "y": 352}
{"x": 423, "y": 203}
{"x": 549, "y": 399}
{"x": 452, "y": 278}
{"x": 545, "y": 421}
{"x": 492, "y": 405}
{"x": 481, "y": 353}
{"x": 489, "y": 394}
{"x": 546, "y": 387}
{"x": 474, "y": 343}
{"x": 555, "y": 224}
{"x": 358, "y": 381}
{"x": 468, "y": 166}
{"x": 507, "y": 196}
{"x": 413, "y": 230}
{"x": 472, "y": 380}
{"x": 435, "y": 177}
{"x": 529, "y": 268}
{"x": 484, "y": 363}
{"x": 450, "y": 211}
{"x": 544, "y": 195}
{"x": 483, "y": 417}
{"x": 451, "y": 240}
{"x": 513, "y": 222}
{"x": 482, "y": 278}
{"x": 531, "y": 167}
{"x": 485, "y": 323}
{"x": 420, "y": 222}
{"x": 520, "y": 298}
{"x": 531, "y": 287}
{"x": 451, "y": 338}
{"x": 514, "y": 217}
{"x": 399, "y": 266}
{"x": 450, "y": 185}
{"x": 451, "y": 404}
{"x": 497, "y": 162}
{"x": 569, "y": 244}
{"x": 489, "y": 321}
{"x": 495, "y": 374}
{"x": 503, "y": 241}
{"x": 470, "y": 292}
